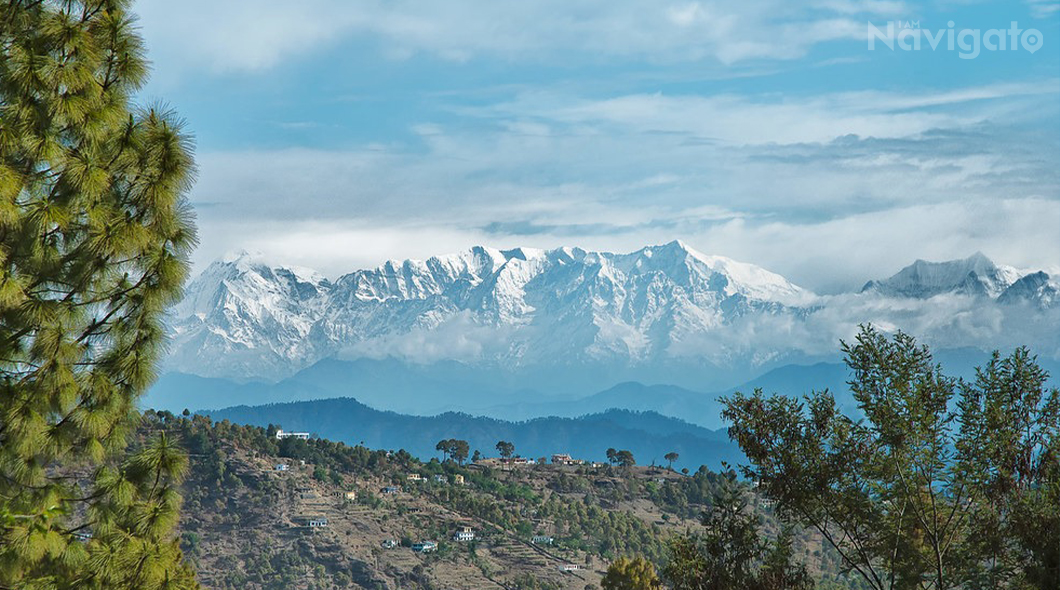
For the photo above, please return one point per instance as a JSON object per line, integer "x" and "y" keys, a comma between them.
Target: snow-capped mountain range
{"x": 245, "y": 319}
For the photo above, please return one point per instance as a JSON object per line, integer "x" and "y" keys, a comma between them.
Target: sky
{"x": 337, "y": 134}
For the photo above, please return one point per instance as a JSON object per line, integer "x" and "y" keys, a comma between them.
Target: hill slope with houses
{"x": 263, "y": 511}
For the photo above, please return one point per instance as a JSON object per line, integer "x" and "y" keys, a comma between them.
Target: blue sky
{"x": 337, "y": 134}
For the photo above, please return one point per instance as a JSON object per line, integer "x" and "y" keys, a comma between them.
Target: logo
{"x": 968, "y": 43}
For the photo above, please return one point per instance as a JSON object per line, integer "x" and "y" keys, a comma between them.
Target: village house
{"x": 541, "y": 540}
{"x": 458, "y": 479}
{"x": 569, "y": 567}
{"x": 390, "y": 490}
{"x": 441, "y": 478}
{"x": 414, "y": 477}
{"x": 280, "y": 435}
{"x": 281, "y": 467}
{"x": 321, "y": 522}
{"x": 564, "y": 459}
{"x": 425, "y": 547}
{"x": 464, "y": 534}
{"x": 389, "y": 544}
{"x": 349, "y": 496}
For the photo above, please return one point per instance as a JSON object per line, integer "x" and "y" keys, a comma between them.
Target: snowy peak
{"x": 1037, "y": 289}
{"x": 243, "y": 277}
{"x": 458, "y": 274}
{"x": 976, "y": 275}
{"x": 524, "y": 307}
{"x": 510, "y": 306}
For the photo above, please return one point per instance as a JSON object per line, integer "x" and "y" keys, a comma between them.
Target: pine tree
{"x": 95, "y": 233}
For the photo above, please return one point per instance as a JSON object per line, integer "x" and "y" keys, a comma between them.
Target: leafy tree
{"x": 506, "y": 449}
{"x": 625, "y": 459}
{"x": 95, "y": 233}
{"x": 454, "y": 449}
{"x": 612, "y": 456}
{"x": 943, "y": 484}
{"x": 731, "y": 553}
{"x": 444, "y": 446}
{"x": 670, "y": 458}
{"x": 459, "y": 450}
{"x": 634, "y": 573}
{"x": 1008, "y": 454}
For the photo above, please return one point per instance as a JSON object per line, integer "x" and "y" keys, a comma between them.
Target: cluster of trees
{"x": 942, "y": 484}
{"x": 731, "y": 552}
{"x": 455, "y": 449}
{"x": 624, "y": 458}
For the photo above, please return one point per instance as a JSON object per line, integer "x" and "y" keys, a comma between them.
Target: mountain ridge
{"x": 648, "y": 435}
{"x": 519, "y": 306}
{"x": 565, "y": 323}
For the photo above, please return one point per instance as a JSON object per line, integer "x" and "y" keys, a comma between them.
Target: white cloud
{"x": 754, "y": 178}
{"x": 249, "y": 35}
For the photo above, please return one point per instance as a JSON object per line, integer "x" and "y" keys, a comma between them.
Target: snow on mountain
{"x": 976, "y": 275}
{"x": 567, "y": 309}
{"x": 1038, "y": 289}
{"x": 242, "y": 318}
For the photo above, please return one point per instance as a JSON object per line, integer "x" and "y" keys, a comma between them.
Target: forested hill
{"x": 322, "y": 521}
{"x": 648, "y": 435}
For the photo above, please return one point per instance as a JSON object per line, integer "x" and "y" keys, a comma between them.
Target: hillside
{"x": 246, "y": 524}
{"x": 648, "y": 435}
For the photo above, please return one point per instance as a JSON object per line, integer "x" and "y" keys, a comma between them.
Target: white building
{"x": 280, "y": 435}
{"x": 569, "y": 567}
{"x": 465, "y": 534}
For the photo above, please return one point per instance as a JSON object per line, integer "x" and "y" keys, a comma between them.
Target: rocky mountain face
{"x": 524, "y": 309}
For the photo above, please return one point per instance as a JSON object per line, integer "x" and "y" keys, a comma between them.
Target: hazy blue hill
{"x": 648, "y": 435}
{"x": 668, "y": 400}
{"x": 176, "y": 391}
{"x": 425, "y": 390}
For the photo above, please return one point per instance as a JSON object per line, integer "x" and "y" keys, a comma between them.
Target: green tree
{"x": 943, "y": 484}
{"x": 612, "y": 456}
{"x": 730, "y": 554}
{"x": 459, "y": 450}
{"x": 445, "y": 446}
{"x": 670, "y": 458}
{"x": 625, "y": 459}
{"x": 506, "y": 449}
{"x": 95, "y": 233}
{"x": 634, "y": 573}
{"x": 1008, "y": 453}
